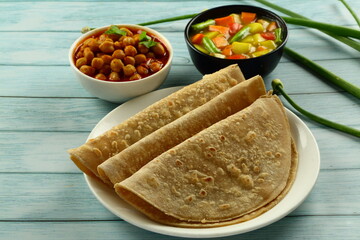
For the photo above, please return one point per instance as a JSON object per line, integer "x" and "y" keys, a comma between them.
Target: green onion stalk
{"x": 352, "y": 89}
{"x": 278, "y": 88}
{"x": 351, "y": 11}
{"x": 339, "y": 30}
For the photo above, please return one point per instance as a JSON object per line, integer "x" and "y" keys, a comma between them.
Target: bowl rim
{"x": 278, "y": 18}
{"x": 81, "y": 38}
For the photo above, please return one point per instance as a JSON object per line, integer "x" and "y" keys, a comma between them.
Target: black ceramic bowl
{"x": 250, "y": 67}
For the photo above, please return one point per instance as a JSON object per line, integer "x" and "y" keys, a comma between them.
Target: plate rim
{"x": 205, "y": 232}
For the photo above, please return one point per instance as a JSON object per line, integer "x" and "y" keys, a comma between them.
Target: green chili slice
{"x": 202, "y": 25}
{"x": 278, "y": 33}
{"x": 240, "y": 34}
{"x": 209, "y": 45}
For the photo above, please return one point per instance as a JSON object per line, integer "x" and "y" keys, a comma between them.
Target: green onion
{"x": 202, "y": 25}
{"x": 169, "y": 19}
{"x": 338, "y": 81}
{"x": 351, "y": 11}
{"x": 338, "y": 30}
{"x": 345, "y": 40}
{"x": 278, "y": 88}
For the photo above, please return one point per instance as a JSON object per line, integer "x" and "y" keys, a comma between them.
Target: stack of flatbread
{"x": 214, "y": 153}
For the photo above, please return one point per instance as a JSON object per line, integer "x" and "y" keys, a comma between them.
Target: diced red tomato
{"x": 224, "y": 21}
{"x": 220, "y": 41}
{"x": 247, "y": 17}
{"x": 237, "y": 56}
{"x": 221, "y": 29}
{"x": 197, "y": 38}
{"x": 234, "y": 28}
{"x": 268, "y": 35}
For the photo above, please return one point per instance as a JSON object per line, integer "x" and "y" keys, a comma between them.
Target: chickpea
{"x": 130, "y": 50}
{"x": 79, "y": 54}
{"x": 142, "y": 70}
{"x": 142, "y": 48}
{"x": 155, "y": 66}
{"x": 86, "y": 42}
{"x": 128, "y": 41}
{"x": 114, "y": 37}
{"x": 128, "y": 32}
{"x": 100, "y": 76}
{"x": 129, "y": 60}
{"x": 97, "y": 63}
{"x": 106, "y": 69}
{"x": 107, "y": 47}
{"x": 150, "y": 55}
{"x": 118, "y": 54}
{"x": 88, "y": 54}
{"x": 118, "y": 45}
{"x": 129, "y": 70}
{"x": 103, "y": 37}
{"x": 135, "y": 76}
{"x": 116, "y": 65}
{"x": 80, "y": 62}
{"x": 93, "y": 45}
{"x": 114, "y": 76}
{"x": 140, "y": 58}
{"x": 158, "y": 49}
{"x": 106, "y": 58}
{"x": 136, "y": 38}
{"x": 87, "y": 70}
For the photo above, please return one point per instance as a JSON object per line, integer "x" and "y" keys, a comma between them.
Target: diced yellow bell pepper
{"x": 211, "y": 34}
{"x": 260, "y": 53}
{"x": 201, "y": 48}
{"x": 270, "y": 44}
{"x": 240, "y": 47}
{"x": 248, "y": 39}
{"x": 256, "y": 27}
{"x": 258, "y": 38}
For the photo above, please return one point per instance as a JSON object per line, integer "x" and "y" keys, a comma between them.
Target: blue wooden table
{"x": 44, "y": 111}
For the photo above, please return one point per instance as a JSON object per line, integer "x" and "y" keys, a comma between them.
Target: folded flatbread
{"x": 130, "y": 160}
{"x": 95, "y": 151}
{"x": 230, "y": 172}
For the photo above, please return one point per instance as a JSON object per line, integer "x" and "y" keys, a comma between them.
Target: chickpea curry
{"x": 236, "y": 36}
{"x": 121, "y": 54}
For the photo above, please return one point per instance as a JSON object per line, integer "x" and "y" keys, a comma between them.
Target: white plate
{"x": 308, "y": 170}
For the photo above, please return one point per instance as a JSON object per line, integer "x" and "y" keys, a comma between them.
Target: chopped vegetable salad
{"x": 236, "y": 36}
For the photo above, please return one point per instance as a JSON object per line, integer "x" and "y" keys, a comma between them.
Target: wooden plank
{"x": 45, "y": 152}
{"x": 55, "y": 114}
{"x": 35, "y": 152}
{"x": 51, "y": 48}
{"x": 75, "y": 15}
{"x": 63, "y": 114}
{"x": 297, "y": 228}
{"x": 67, "y": 197}
{"x": 59, "y": 81}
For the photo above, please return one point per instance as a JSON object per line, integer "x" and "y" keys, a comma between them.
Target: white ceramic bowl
{"x": 121, "y": 91}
